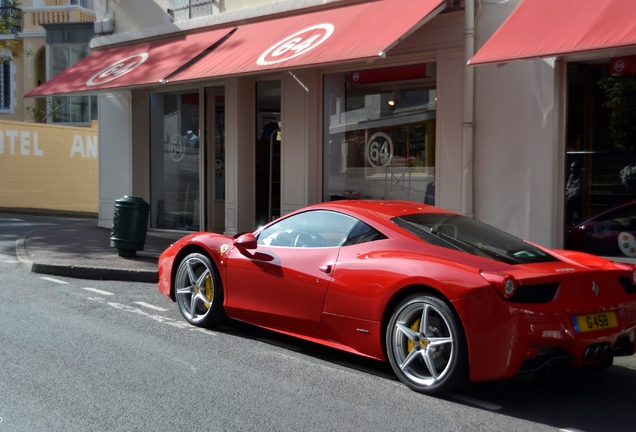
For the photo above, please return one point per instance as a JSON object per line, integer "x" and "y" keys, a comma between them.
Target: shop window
{"x": 175, "y": 154}
{"x": 380, "y": 134}
{"x": 600, "y": 171}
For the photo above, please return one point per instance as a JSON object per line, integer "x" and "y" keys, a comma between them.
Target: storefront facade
{"x": 228, "y": 139}
{"x": 230, "y": 152}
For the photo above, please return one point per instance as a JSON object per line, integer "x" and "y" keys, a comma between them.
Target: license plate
{"x": 597, "y": 321}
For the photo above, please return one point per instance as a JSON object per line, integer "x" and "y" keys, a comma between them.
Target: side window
{"x": 317, "y": 228}
{"x": 181, "y": 10}
{"x": 5, "y": 81}
{"x": 623, "y": 219}
{"x": 362, "y": 233}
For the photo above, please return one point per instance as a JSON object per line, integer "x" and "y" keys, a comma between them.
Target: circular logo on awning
{"x": 619, "y": 65}
{"x": 114, "y": 71}
{"x": 296, "y": 44}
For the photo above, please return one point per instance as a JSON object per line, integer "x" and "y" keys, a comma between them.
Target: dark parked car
{"x": 610, "y": 233}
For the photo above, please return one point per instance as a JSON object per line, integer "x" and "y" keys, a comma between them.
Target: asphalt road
{"x": 79, "y": 355}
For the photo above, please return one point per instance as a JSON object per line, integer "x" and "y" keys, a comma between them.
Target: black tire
{"x": 198, "y": 291}
{"x": 426, "y": 345}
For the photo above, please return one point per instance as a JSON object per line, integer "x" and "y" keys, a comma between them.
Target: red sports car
{"x": 442, "y": 297}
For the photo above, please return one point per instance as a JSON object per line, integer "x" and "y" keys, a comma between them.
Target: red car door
{"x": 281, "y": 285}
{"x": 284, "y": 280}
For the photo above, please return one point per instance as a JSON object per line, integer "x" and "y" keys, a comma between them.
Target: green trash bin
{"x": 130, "y": 224}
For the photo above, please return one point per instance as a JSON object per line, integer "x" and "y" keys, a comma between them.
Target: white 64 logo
{"x": 114, "y": 71}
{"x": 379, "y": 150}
{"x": 296, "y": 44}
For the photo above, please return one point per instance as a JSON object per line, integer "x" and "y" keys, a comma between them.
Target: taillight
{"x": 631, "y": 268}
{"x": 505, "y": 284}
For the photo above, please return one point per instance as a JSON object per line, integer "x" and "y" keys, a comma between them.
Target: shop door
{"x": 268, "y": 151}
{"x": 215, "y": 161}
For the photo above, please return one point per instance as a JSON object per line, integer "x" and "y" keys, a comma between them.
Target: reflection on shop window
{"x": 379, "y": 129}
{"x": 175, "y": 156}
{"x": 600, "y": 196}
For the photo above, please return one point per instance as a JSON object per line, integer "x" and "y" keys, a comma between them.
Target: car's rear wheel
{"x": 426, "y": 345}
{"x": 198, "y": 291}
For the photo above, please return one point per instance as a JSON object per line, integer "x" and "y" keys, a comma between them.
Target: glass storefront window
{"x": 70, "y": 109}
{"x": 600, "y": 171}
{"x": 175, "y": 161}
{"x": 379, "y": 138}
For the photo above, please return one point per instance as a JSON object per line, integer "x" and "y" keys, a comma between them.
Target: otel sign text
{"x": 293, "y": 46}
{"x": 27, "y": 143}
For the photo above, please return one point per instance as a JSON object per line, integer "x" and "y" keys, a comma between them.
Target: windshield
{"x": 473, "y": 237}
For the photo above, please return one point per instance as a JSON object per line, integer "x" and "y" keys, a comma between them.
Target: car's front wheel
{"x": 426, "y": 345}
{"x": 198, "y": 291}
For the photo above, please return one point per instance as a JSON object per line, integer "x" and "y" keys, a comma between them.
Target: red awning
{"x": 546, "y": 28}
{"x": 359, "y": 31}
{"x": 133, "y": 65}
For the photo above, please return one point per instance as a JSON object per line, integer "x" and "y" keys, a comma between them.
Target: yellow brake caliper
{"x": 209, "y": 289}
{"x": 414, "y": 327}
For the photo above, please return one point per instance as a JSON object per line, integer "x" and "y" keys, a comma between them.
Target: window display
{"x": 175, "y": 161}
{"x": 600, "y": 196}
{"x": 379, "y": 129}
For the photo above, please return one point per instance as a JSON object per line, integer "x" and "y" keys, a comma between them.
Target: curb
{"x": 82, "y": 272}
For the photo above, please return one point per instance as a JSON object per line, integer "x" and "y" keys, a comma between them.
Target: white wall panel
{"x": 516, "y": 140}
{"x": 239, "y": 155}
{"x": 115, "y": 153}
{"x": 294, "y": 144}
{"x": 448, "y": 164}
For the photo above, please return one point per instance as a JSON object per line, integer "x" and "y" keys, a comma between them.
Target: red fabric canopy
{"x": 132, "y": 65}
{"x": 546, "y": 28}
{"x": 358, "y": 31}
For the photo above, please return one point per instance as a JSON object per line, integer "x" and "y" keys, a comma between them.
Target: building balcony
{"x": 9, "y": 12}
{"x": 35, "y": 17}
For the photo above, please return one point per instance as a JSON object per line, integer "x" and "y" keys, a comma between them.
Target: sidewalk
{"x": 83, "y": 251}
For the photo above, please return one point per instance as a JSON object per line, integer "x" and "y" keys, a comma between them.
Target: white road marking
{"x": 476, "y": 402}
{"x": 149, "y": 306}
{"x": 19, "y": 223}
{"x": 98, "y": 291}
{"x": 570, "y": 430}
{"x": 165, "y": 320}
{"x": 54, "y": 280}
{"x": 10, "y": 262}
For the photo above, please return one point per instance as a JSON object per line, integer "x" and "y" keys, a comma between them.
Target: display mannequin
{"x": 191, "y": 140}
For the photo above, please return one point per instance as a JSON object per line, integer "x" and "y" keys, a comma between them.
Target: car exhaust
{"x": 597, "y": 352}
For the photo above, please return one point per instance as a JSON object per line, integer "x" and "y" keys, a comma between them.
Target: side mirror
{"x": 245, "y": 241}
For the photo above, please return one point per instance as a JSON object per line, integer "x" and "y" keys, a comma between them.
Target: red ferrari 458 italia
{"x": 442, "y": 297}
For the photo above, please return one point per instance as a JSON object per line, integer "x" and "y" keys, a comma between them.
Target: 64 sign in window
{"x": 379, "y": 150}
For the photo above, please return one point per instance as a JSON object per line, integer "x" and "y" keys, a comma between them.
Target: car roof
{"x": 378, "y": 210}
{"x": 603, "y": 213}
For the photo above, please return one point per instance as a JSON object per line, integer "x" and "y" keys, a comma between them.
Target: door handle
{"x": 326, "y": 268}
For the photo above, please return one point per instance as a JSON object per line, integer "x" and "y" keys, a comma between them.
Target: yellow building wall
{"x": 48, "y": 167}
